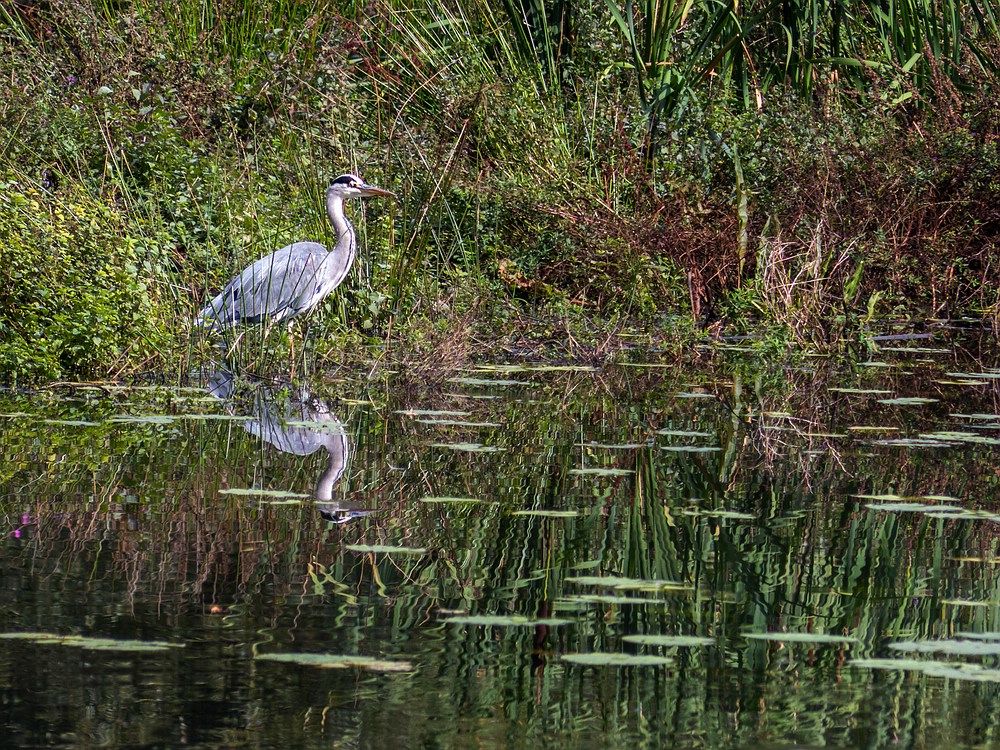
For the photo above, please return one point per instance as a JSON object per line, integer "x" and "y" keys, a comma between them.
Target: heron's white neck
{"x": 344, "y": 228}
{"x": 339, "y": 261}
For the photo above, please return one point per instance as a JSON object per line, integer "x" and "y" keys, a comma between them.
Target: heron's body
{"x": 293, "y": 280}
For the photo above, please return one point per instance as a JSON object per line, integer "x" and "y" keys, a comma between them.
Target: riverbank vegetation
{"x": 565, "y": 170}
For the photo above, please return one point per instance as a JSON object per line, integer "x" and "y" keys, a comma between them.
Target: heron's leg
{"x": 291, "y": 347}
{"x": 306, "y": 328}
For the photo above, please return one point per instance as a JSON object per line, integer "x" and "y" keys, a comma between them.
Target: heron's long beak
{"x": 372, "y": 191}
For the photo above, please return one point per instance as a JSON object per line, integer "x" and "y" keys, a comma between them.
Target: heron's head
{"x": 352, "y": 186}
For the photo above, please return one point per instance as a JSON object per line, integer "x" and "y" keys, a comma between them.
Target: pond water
{"x": 732, "y": 554}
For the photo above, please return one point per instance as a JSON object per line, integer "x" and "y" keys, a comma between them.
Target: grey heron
{"x": 292, "y": 281}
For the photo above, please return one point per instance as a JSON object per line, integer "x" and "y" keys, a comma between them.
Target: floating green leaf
{"x": 953, "y": 647}
{"x": 962, "y": 437}
{"x": 620, "y": 583}
{"x": 487, "y": 382}
{"x": 510, "y": 621}
{"x": 467, "y": 500}
{"x": 983, "y": 636}
{"x": 808, "y": 638}
{"x": 216, "y": 417}
{"x": 468, "y": 447}
{"x": 670, "y": 641}
{"x": 148, "y": 419}
{"x": 911, "y": 443}
{"x": 610, "y": 599}
{"x": 950, "y": 670}
{"x": 685, "y": 433}
{"x": 602, "y": 472}
{"x": 547, "y": 513}
{"x": 599, "y": 659}
{"x": 904, "y": 507}
{"x": 712, "y": 513}
{"x": 338, "y": 661}
{"x": 456, "y": 423}
{"x": 431, "y": 413}
{"x": 260, "y": 492}
{"x": 93, "y": 644}
{"x": 618, "y": 446}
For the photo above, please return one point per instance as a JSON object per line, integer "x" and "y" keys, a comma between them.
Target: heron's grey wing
{"x": 270, "y": 289}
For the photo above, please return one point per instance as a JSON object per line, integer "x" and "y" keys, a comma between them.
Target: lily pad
{"x": 904, "y": 507}
{"x": 602, "y": 472}
{"x": 456, "y": 423}
{"x": 912, "y": 443}
{"x": 690, "y": 448}
{"x": 618, "y": 446}
{"x": 601, "y": 659}
{"x": 468, "y": 447}
{"x": 148, "y": 419}
{"x": 217, "y": 417}
{"x": 93, "y": 644}
{"x": 670, "y": 641}
{"x": 339, "y": 661}
{"x": 431, "y": 413}
{"x": 685, "y": 433}
{"x": 487, "y": 382}
{"x": 861, "y": 391}
{"x": 628, "y": 584}
{"x": 908, "y": 401}
{"x": 456, "y": 500}
{"x": 951, "y": 670}
{"x": 259, "y": 492}
{"x": 808, "y": 638}
{"x": 611, "y": 599}
{"x": 711, "y": 513}
{"x": 962, "y": 437}
{"x": 945, "y": 646}
{"x": 508, "y": 621}
{"x": 544, "y": 513}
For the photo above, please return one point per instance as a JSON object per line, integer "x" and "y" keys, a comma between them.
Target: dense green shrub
{"x": 78, "y": 296}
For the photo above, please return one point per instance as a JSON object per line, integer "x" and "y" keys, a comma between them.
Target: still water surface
{"x": 724, "y": 555}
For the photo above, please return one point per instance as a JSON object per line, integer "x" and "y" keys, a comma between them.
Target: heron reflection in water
{"x": 299, "y": 424}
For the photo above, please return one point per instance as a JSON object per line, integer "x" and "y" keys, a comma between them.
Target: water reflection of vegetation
{"x": 769, "y": 533}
